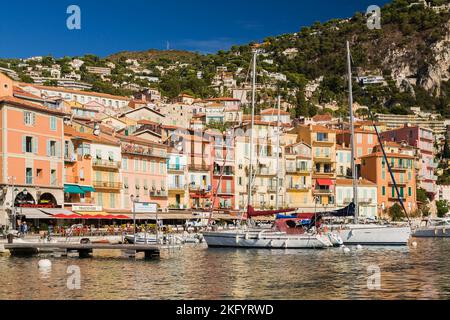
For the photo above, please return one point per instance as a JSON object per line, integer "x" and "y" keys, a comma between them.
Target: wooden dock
{"x": 84, "y": 250}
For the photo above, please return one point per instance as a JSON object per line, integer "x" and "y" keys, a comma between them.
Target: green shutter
{"x": 48, "y": 148}
{"x": 35, "y": 143}
{"x": 393, "y": 192}
{"x": 24, "y": 144}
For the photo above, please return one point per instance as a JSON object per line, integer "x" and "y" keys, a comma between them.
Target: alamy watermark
{"x": 74, "y": 279}
{"x": 373, "y": 277}
{"x": 373, "y": 14}
{"x": 73, "y": 22}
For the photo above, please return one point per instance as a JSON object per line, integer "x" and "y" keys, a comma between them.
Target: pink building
{"x": 144, "y": 172}
{"x": 423, "y": 140}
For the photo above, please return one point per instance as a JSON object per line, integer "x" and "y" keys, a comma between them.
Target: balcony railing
{"x": 176, "y": 167}
{"x": 107, "y": 185}
{"x": 177, "y": 187}
{"x": 399, "y": 167}
{"x": 324, "y": 140}
{"x": 144, "y": 151}
{"x": 297, "y": 170}
{"x": 323, "y": 191}
{"x": 108, "y": 164}
{"x": 199, "y": 188}
{"x": 226, "y": 172}
{"x": 327, "y": 172}
{"x": 298, "y": 188}
{"x": 199, "y": 167}
{"x": 158, "y": 194}
{"x": 70, "y": 158}
{"x": 225, "y": 191}
{"x": 266, "y": 172}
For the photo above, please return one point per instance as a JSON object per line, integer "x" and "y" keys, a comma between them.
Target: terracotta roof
{"x": 30, "y": 105}
{"x": 215, "y": 105}
{"x": 322, "y": 117}
{"x": 21, "y": 92}
{"x": 71, "y": 132}
{"x": 389, "y": 155}
{"x": 148, "y": 122}
{"x": 137, "y": 140}
{"x": 349, "y": 182}
{"x": 273, "y": 111}
{"x": 228, "y": 99}
{"x": 87, "y": 93}
{"x": 323, "y": 129}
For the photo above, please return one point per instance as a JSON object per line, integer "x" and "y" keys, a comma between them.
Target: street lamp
{"x": 134, "y": 200}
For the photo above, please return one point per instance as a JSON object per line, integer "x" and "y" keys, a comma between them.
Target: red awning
{"x": 67, "y": 216}
{"x": 325, "y": 182}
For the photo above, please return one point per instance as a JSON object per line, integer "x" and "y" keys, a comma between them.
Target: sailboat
{"x": 369, "y": 234}
{"x": 264, "y": 238}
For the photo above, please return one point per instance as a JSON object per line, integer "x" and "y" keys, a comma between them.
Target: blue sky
{"x": 32, "y": 27}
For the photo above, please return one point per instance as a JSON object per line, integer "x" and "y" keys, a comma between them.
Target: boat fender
{"x": 44, "y": 264}
{"x": 247, "y": 236}
{"x": 436, "y": 231}
{"x": 286, "y": 244}
{"x": 237, "y": 239}
{"x": 346, "y": 250}
{"x": 444, "y": 231}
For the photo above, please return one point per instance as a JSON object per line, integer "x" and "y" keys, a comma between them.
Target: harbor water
{"x": 196, "y": 272}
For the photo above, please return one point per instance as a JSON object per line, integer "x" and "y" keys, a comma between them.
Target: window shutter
{"x": 24, "y": 144}
{"x": 48, "y": 148}
{"x": 35, "y": 144}
{"x": 33, "y": 117}
{"x": 58, "y": 149}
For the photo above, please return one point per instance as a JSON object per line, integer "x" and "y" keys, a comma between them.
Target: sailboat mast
{"x": 250, "y": 177}
{"x": 277, "y": 202}
{"x": 352, "y": 128}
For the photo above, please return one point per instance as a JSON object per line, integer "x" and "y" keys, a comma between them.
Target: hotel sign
{"x": 87, "y": 208}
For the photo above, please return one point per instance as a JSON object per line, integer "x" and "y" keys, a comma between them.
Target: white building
{"x": 367, "y": 196}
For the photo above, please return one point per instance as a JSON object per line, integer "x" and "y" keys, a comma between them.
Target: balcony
{"x": 324, "y": 172}
{"x": 70, "y": 158}
{"x": 266, "y": 172}
{"x": 298, "y": 170}
{"x": 365, "y": 201}
{"x": 199, "y": 167}
{"x": 72, "y": 179}
{"x": 106, "y": 164}
{"x": 175, "y": 167}
{"x": 158, "y": 194}
{"x": 433, "y": 165}
{"x": 323, "y": 191}
{"x": 225, "y": 192}
{"x": 298, "y": 188}
{"x": 272, "y": 189}
{"x": 198, "y": 188}
{"x": 226, "y": 173}
{"x": 144, "y": 151}
{"x": 106, "y": 185}
{"x": 399, "y": 183}
{"x": 323, "y": 158}
{"x": 177, "y": 188}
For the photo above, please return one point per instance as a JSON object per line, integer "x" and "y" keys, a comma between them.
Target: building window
{"x": 112, "y": 200}
{"x": 410, "y": 191}
{"x": 54, "y": 180}
{"x": 52, "y": 148}
{"x": 125, "y": 163}
{"x": 383, "y": 191}
{"x": 27, "y": 144}
{"x": 29, "y": 175}
{"x": 29, "y": 118}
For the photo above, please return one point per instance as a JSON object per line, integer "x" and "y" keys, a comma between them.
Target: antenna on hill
{"x": 168, "y": 46}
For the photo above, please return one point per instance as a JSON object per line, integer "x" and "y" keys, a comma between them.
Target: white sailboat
{"x": 264, "y": 238}
{"x": 368, "y": 234}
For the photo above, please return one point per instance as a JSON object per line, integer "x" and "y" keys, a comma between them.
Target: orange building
{"x": 31, "y": 140}
{"x": 365, "y": 141}
{"x": 374, "y": 168}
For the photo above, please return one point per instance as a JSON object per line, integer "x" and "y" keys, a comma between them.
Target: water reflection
{"x": 200, "y": 273}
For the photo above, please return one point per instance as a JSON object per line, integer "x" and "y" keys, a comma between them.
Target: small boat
{"x": 265, "y": 239}
{"x": 373, "y": 235}
{"x": 434, "y": 228}
{"x": 141, "y": 238}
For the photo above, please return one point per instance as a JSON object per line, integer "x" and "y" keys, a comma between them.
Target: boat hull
{"x": 375, "y": 235}
{"x": 265, "y": 241}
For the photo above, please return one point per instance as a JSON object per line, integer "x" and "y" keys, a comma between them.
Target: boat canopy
{"x": 253, "y": 213}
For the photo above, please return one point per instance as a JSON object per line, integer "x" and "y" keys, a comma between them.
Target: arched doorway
{"x": 48, "y": 199}
{"x": 24, "y": 199}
